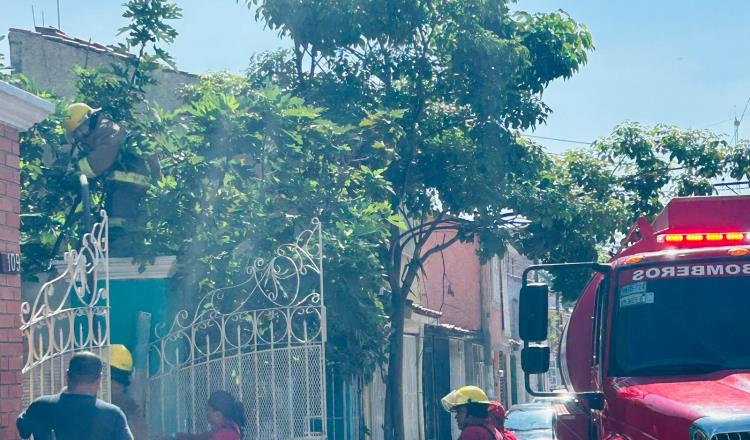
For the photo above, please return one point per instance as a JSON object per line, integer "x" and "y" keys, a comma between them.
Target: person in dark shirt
{"x": 76, "y": 413}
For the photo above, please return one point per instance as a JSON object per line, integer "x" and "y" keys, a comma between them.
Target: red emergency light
{"x": 688, "y": 222}
{"x": 694, "y": 237}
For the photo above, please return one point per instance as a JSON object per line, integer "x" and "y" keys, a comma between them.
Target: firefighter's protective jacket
{"x": 480, "y": 429}
{"x": 127, "y": 175}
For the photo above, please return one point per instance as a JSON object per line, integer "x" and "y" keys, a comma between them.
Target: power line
{"x": 737, "y": 122}
{"x": 717, "y": 123}
{"x": 557, "y": 139}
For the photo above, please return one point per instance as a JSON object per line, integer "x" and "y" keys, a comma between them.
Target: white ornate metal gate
{"x": 263, "y": 340}
{"x": 70, "y": 314}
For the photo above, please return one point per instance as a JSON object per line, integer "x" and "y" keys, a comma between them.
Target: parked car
{"x": 562, "y": 397}
{"x": 531, "y": 421}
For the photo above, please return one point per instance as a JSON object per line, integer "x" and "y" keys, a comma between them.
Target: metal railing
{"x": 263, "y": 340}
{"x": 69, "y": 314}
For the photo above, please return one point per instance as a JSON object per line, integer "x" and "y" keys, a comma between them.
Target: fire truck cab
{"x": 658, "y": 344}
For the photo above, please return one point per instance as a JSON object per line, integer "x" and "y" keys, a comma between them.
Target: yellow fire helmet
{"x": 120, "y": 358}
{"x": 77, "y": 113}
{"x": 464, "y": 396}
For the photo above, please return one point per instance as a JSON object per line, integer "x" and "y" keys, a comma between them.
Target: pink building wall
{"x": 452, "y": 282}
{"x": 11, "y": 350}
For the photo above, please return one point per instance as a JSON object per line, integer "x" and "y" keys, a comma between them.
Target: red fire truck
{"x": 658, "y": 344}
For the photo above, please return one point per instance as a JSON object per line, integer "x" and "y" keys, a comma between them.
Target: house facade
{"x": 19, "y": 110}
{"x": 462, "y": 329}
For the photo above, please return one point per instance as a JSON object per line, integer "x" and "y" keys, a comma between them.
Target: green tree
{"x": 50, "y": 201}
{"x": 247, "y": 171}
{"x": 244, "y": 168}
{"x": 460, "y": 79}
{"x": 588, "y": 198}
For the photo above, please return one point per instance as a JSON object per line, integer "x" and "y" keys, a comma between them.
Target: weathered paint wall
{"x": 11, "y": 350}
{"x": 49, "y": 62}
{"x": 452, "y": 283}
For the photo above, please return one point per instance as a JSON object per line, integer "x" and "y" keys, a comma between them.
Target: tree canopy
{"x": 588, "y": 198}
{"x": 244, "y": 168}
{"x": 460, "y": 80}
{"x": 388, "y": 120}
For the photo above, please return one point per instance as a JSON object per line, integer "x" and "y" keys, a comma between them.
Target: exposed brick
{"x": 13, "y": 347}
{"x": 15, "y": 363}
{"x": 12, "y": 248}
{"x": 12, "y": 220}
{"x": 10, "y": 405}
{"x": 9, "y": 234}
{"x": 11, "y": 134}
{"x": 12, "y": 190}
{"x": 10, "y": 377}
{"x": 8, "y": 431}
{"x": 10, "y": 175}
{"x": 8, "y": 321}
{"x": 6, "y": 144}
{"x": 10, "y": 335}
{"x": 12, "y": 160}
{"x": 11, "y": 306}
{"x": 13, "y": 281}
{"x": 7, "y": 204}
{"x": 10, "y": 293}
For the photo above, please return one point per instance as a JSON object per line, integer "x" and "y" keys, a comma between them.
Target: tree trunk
{"x": 394, "y": 401}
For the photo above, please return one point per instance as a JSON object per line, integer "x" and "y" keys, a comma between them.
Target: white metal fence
{"x": 263, "y": 340}
{"x": 69, "y": 314}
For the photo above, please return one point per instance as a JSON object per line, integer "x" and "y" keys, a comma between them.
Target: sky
{"x": 679, "y": 62}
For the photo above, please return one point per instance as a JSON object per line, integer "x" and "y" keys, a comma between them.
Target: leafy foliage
{"x": 588, "y": 198}
{"x": 459, "y": 78}
{"x": 244, "y": 168}
{"x": 248, "y": 170}
{"x": 50, "y": 201}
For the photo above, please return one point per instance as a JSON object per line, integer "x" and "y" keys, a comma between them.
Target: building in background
{"x": 462, "y": 329}
{"x": 49, "y": 58}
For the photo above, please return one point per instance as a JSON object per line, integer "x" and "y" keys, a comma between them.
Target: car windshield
{"x": 681, "y": 320}
{"x": 529, "y": 419}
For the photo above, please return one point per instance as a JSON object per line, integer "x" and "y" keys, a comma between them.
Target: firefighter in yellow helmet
{"x": 121, "y": 370}
{"x": 126, "y": 174}
{"x": 471, "y": 406}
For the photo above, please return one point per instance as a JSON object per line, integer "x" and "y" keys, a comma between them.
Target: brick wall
{"x": 11, "y": 350}
{"x": 452, "y": 282}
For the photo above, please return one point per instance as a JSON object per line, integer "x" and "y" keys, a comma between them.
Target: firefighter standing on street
{"x": 471, "y": 406}
{"x": 127, "y": 175}
{"x": 121, "y": 370}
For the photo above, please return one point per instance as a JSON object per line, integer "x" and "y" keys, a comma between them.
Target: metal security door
{"x": 70, "y": 314}
{"x": 436, "y": 383}
{"x": 267, "y": 349}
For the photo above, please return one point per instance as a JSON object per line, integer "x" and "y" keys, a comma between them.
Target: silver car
{"x": 531, "y": 421}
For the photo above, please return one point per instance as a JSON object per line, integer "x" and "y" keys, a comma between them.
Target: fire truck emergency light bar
{"x": 707, "y": 236}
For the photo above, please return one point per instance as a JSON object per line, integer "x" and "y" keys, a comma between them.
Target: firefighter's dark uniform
{"x": 126, "y": 175}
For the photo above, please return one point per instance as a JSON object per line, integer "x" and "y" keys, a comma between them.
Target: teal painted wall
{"x": 127, "y": 298}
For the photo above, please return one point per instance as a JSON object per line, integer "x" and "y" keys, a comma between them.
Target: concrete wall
{"x": 49, "y": 61}
{"x": 452, "y": 283}
{"x": 11, "y": 349}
